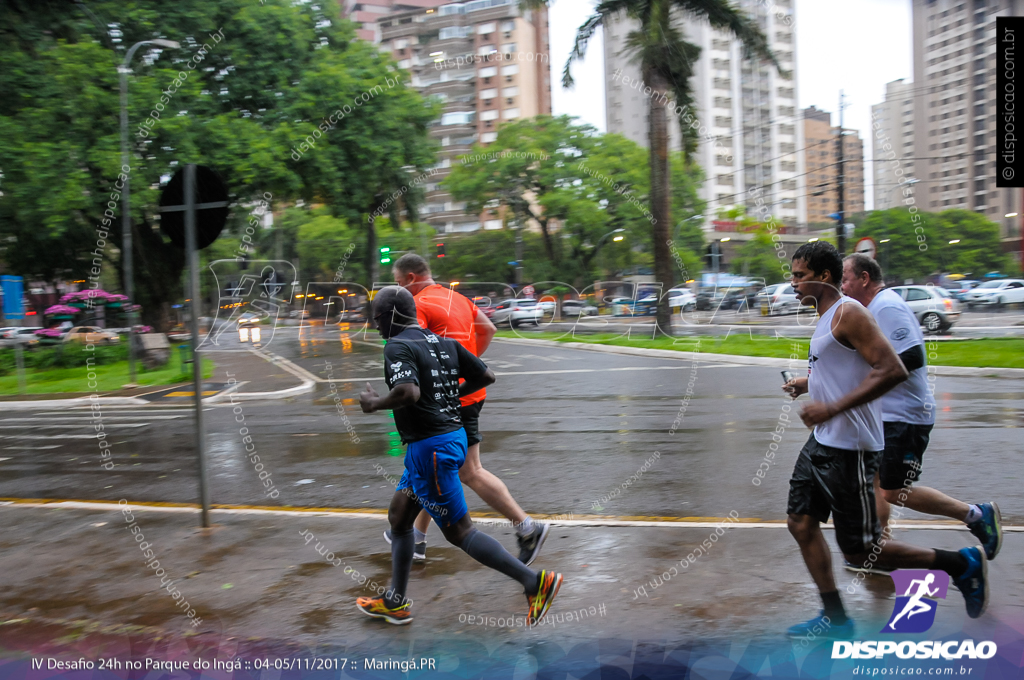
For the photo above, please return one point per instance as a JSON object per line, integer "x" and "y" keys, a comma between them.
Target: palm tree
{"x": 666, "y": 64}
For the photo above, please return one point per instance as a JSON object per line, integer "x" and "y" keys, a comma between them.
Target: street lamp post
{"x": 126, "y": 215}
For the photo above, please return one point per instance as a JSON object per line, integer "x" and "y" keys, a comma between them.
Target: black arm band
{"x": 913, "y": 358}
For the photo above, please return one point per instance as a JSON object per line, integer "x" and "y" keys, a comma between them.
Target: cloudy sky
{"x": 855, "y": 46}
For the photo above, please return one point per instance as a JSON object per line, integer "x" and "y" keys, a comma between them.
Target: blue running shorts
{"x": 432, "y": 471}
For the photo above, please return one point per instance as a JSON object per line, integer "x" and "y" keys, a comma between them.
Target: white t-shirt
{"x": 911, "y": 401}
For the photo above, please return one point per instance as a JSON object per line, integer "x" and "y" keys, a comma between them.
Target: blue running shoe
{"x": 989, "y": 529}
{"x": 974, "y": 582}
{"x": 821, "y": 627}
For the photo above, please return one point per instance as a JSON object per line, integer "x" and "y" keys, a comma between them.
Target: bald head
{"x": 394, "y": 309}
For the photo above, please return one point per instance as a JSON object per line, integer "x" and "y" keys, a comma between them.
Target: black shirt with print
{"x": 435, "y": 364}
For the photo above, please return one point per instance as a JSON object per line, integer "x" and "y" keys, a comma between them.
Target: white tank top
{"x": 834, "y": 370}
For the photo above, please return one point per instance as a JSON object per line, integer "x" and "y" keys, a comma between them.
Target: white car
{"x": 574, "y": 308}
{"x": 683, "y": 299}
{"x": 935, "y": 308}
{"x": 516, "y": 311}
{"x": 998, "y": 292}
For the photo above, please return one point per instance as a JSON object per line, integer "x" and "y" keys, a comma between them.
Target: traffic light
{"x": 385, "y": 254}
{"x": 440, "y": 250}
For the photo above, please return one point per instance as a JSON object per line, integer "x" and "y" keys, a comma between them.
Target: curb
{"x": 43, "y": 404}
{"x": 682, "y": 355}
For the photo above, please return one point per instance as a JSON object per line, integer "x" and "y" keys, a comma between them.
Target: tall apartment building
{"x": 754, "y": 135}
{"x": 892, "y": 124}
{"x": 488, "y": 61}
{"x": 821, "y": 155}
{"x": 954, "y": 109}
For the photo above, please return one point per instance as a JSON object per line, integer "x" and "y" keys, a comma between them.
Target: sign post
{"x": 14, "y": 291}
{"x": 180, "y": 196}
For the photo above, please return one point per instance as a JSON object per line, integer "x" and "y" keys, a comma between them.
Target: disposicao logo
{"x": 914, "y": 611}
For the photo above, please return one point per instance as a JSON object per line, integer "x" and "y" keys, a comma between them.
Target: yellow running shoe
{"x": 378, "y": 609}
{"x": 541, "y": 602}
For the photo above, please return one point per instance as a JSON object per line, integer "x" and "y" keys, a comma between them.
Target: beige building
{"x": 749, "y": 125}
{"x": 821, "y": 156}
{"x": 954, "y": 110}
{"x": 487, "y": 60}
{"x": 892, "y": 139}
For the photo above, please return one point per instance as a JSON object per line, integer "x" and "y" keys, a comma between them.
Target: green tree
{"x": 666, "y": 61}
{"x": 275, "y": 79}
{"x": 918, "y": 246}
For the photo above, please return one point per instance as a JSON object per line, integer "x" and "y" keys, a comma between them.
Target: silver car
{"x": 936, "y": 310}
{"x": 778, "y": 298}
{"x": 516, "y": 311}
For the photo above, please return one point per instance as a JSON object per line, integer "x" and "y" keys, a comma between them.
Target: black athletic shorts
{"x": 471, "y": 422}
{"x": 904, "y": 449}
{"x": 829, "y": 481}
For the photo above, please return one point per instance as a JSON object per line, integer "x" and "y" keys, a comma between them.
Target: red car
{"x": 485, "y": 305}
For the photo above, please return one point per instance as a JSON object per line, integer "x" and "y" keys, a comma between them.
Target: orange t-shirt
{"x": 450, "y": 315}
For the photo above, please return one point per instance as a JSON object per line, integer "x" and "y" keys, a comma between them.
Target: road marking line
{"x": 107, "y": 424}
{"x": 482, "y": 518}
{"x": 570, "y": 370}
{"x": 31, "y": 448}
{"x": 86, "y": 419}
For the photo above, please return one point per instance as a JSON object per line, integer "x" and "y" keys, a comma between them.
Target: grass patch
{"x": 984, "y": 353}
{"x": 109, "y": 378}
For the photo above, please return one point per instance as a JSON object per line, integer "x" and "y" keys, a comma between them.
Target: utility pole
{"x": 840, "y": 187}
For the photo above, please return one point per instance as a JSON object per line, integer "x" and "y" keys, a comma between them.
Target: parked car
{"x": 92, "y": 335}
{"x": 682, "y": 299}
{"x": 575, "y": 308}
{"x": 625, "y": 306}
{"x": 485, "y": 305}
{"x": 547, "y": 305}
{"x": 960, "y": 289}
{"x": 933, "y": 306}
{"x": 517, "y": 311}
{"x": 18, "y": 335}
{"x": 998, "y": 292}
{"x": 735, "y": 298}
{"x": 778, "y": 298}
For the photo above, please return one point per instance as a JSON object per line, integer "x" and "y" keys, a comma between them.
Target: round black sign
{"x": 210, "y": 188}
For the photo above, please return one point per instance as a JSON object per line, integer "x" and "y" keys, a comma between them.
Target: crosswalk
{"x": 53, "y": 429}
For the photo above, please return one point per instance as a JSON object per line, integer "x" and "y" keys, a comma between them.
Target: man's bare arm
{"x": 855, "y": 327}
{"x": 484, "y": 330}
{"x": 478, "y": 383}
{"x": 405, "y": 394}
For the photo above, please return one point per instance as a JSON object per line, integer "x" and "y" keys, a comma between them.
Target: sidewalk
{"x": 259, "y": 375}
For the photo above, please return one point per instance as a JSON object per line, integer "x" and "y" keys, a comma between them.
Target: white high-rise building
{"x": 892, "y": 124}
{"x": 751, "y": 135}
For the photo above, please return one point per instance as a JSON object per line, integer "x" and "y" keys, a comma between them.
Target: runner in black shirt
{"x": 423, "y": 372}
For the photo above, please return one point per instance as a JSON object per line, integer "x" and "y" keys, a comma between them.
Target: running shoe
{"x": 973, "y": 584}
{"x": 818, "y": 627}
{"x": 550, "y": 582}
{"x": 989, "y": 529}
{"x": 875, "y": 568}
{"x": 418, "y": 553}
{"x": 530, "y": 544}
{"x": 378, "y": 609}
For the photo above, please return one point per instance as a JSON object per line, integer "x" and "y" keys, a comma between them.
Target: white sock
{"x": 973, "y": 514}
{"x": 418, "y": 536}
{"x": 525, "y": 527}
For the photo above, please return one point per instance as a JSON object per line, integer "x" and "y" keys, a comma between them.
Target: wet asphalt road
{"x": 564, "y": 428}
